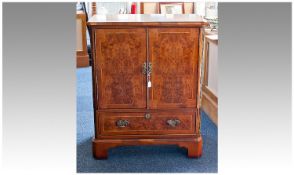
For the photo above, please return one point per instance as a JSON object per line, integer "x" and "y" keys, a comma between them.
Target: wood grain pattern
{"x": 120, "y": 46}
{"x": 121, "y": 54}
{"x": 200, "y": 67}
{"x": 174, "y": 58}
{"x": 139, "y": 125}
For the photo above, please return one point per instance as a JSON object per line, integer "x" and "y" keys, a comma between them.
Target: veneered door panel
{"x": 174, "y": 58}
{"x": 120, "y": 54}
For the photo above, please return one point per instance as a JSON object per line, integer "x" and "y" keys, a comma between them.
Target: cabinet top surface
{"x": 147, "y": 19}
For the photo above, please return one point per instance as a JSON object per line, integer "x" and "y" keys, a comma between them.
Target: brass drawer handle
{"x": 122, "y": 123}
{"x": 173, "y": 122}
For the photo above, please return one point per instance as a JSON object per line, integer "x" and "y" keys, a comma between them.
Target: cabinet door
{"x": 174, "y": 58}
{"x": 120, "y": 55}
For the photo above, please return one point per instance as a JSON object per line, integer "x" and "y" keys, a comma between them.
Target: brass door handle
{"x": 173, "y": 122}
{"x": 122, "y": 123}
{"x": 147, "y": 69}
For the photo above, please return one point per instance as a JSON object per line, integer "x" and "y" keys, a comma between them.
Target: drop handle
{"x": 173, "y": 122}
{"x": 144, "y": 70}
{"x": 147, "y": 68}
{"x": 122, "y": 123}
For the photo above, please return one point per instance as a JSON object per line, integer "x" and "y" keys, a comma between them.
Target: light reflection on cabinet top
{"x": 191, "y": 20}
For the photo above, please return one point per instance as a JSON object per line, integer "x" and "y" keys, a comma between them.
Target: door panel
{"x": 120, "y": 55}
{"x": 174, "y": 58}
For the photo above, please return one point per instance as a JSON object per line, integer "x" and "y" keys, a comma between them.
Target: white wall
{"x": 213, "y": 67}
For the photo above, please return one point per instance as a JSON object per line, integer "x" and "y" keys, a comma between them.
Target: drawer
{"x": 146, "y": 123}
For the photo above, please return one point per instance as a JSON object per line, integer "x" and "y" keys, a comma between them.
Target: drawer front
{"x": 146, "y": 123}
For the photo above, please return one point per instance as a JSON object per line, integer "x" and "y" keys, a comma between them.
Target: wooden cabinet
{"x": 146, "y": 81}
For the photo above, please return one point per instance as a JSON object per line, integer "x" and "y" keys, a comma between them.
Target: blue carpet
{"x": 144, "y": 159}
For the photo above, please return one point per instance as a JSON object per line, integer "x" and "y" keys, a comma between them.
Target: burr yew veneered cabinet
{"x": 146, "y": 81}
